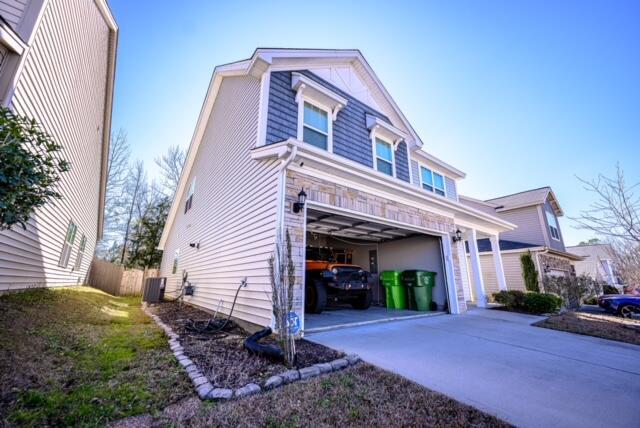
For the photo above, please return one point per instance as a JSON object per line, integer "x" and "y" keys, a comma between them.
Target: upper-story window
{"x": 315, "y": 126}
{"x": 384, "y": 156}
{"x": 69, "y": 239}
{"x": 432, "y": 181}
{"x": 318, "y": 107}
{"x": 554, "y": 230}
{"x": 189, "y": 202}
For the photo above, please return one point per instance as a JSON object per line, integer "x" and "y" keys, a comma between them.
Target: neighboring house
{"x": 288, "y": 120}
{"x": 597, "y": 263}
{"x": 57, "y": 65}
{"x": 536, "y": 213}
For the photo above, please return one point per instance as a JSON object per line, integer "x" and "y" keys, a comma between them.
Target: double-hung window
{"x": 189, "y": 201}
{"x": 315, "y": 126}
{"x": 384, "y": 157}
{"x": 69, "y": 239}
{"x": 554, "y": 230}
{"x": 432, "y": 181}
{"x": 176, "y": 258}
{"x": 80, "y": 255}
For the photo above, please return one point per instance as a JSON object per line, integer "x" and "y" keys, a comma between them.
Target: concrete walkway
{"x": 496, "y": 361}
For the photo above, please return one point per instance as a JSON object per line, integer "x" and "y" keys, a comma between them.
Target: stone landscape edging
{"x": 206, "y": 391}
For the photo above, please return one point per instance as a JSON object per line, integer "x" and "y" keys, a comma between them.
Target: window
{"x": 69, "y": 238}
{"x": 80, "y": 255}
{"x": 189, "y": 201}
{"x": 432, "y": 181}
{"x": 176, "y": 256}
{"x": 553, "y": 225}
{"x": 315, "y": 126}
{"x": 384, "y": 157}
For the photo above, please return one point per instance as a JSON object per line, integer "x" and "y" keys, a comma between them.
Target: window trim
{"x": 67, "y": 244}
{"x": 176, "y": 261}
{"x": 432, "y": 171}
{"x": 551, "y": 227}
{"x": 301, "y": 124}
{"x": 374, "y": 144}
{"x": 188, "y": 203}
{"x": 77, "y": 264}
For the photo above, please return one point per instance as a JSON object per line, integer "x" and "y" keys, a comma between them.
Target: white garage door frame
{"x": 445, "y": 243}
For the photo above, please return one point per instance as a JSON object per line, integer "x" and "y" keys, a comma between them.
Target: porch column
{"x": 497, "y": 261}
{"x": 481, "y": 297}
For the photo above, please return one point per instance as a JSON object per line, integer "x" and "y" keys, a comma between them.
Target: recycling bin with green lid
{"x": 419, "y": 284}
{"x": 395, "y": 292}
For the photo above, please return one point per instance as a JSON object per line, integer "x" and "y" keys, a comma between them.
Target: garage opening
{"x": 345, "y": 259}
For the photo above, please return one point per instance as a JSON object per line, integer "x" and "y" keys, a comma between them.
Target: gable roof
{"x": 264, "y": 59}
{"x": 527, "y": 198}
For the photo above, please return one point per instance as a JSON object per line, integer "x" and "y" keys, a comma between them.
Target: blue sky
{"x": 518, "y": 95}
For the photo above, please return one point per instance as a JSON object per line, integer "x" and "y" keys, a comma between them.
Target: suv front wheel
{"x": 363, "y": 301}
{"x": 315, "y": 298}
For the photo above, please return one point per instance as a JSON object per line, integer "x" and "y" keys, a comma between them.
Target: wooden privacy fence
{"x": 118, "y": 281}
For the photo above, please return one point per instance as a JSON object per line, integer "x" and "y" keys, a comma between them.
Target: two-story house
{"x": 290, "y": 123}
{"x": 598, "y": 263}
{"x": 57, "y": 66}
{"x": 536, "y": 213}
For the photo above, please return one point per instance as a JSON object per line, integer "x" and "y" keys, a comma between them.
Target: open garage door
{"x": 340, "y": 245}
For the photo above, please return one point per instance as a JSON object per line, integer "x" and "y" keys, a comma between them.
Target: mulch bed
{"x": 604, "y": 326}
{"x": 221, "y": 356}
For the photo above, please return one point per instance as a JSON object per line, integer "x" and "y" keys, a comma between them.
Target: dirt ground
{"x": 602, "y": 325}
{"x": 222, "y": 357}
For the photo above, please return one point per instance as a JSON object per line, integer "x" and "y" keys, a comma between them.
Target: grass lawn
{"x": 604, "y": 326}
{"x": 81, "y": 357}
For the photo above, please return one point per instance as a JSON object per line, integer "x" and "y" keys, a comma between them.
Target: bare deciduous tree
{"x": 117, "y": 170}
{"x": 282, "y": 270}
{"x": 136, "y": 186}
{"x": 171, "y": 165}
{"x": 616, "y": 212}
{"x": 615, "y": 216}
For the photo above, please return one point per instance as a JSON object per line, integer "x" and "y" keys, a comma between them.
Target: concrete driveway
{"x": 496, "y": 361}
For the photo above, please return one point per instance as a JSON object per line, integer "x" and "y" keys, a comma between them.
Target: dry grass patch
{"x": 362, "y": 395}
{"x": 78, "y": 356}
{"x": 598, "y": 325}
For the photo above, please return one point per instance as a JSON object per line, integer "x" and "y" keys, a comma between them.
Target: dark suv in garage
{"x": 335, "y": 282}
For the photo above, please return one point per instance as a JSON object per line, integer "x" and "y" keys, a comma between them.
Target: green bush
{"x": 591, "y": 300}
{"x": 512, "y": 299}
{"x": 609, "y": 289}
{"x": 541, "y": 303}
{"x": 529, "y": 272}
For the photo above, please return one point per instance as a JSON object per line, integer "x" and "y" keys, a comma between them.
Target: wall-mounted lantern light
{"x": 302, "y": 198}
{"x": 195, "y": 245}
{"x": 457, "y": 236}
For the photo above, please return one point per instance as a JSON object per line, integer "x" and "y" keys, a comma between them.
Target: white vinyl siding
{"x": 71, "y": 44}
{"x": 13, "y": 11}
{"x": 512, "y": 273}
{"x": 235, "y": 215}
{"x": 529, "y": 225}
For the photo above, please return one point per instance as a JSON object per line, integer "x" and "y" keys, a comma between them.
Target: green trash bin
{"x": 419, "y": 285}
{"x": 394, "y": 289}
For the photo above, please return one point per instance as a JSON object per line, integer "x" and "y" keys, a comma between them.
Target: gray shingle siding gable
{"x": 350, "y": 134}
{"x": 402, "y": 162}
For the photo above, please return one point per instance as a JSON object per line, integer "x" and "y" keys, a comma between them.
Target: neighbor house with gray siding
{"x": 536, "y": 213}
{"x": 289, "y": 122}
{"x": 57, "y": 66}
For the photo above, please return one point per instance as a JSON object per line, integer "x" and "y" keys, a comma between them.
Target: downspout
{"x": 283, "y": 186}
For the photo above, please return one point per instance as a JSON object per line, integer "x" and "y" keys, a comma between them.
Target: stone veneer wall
{"x": 555, "y": 263}
{"x": 341, "y": 196}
